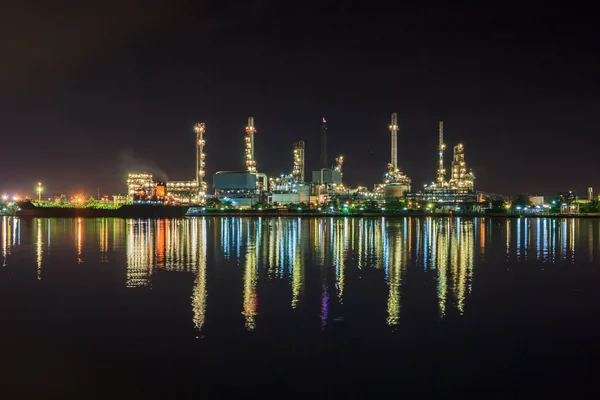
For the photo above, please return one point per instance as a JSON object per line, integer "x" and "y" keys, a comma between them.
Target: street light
{"x": 39, "y": 191}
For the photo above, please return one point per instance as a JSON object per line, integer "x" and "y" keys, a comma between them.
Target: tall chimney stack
{"x": 324, "y": 144}
{"x": 394, "y": 130}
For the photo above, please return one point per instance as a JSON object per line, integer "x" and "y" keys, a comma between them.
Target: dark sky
{"x": 89, "y": 94}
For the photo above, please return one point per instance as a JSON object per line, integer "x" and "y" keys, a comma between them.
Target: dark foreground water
{"x": 197, "y": 307}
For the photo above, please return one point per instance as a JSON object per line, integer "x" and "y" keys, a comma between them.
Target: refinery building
{"x": 249, "y": 187}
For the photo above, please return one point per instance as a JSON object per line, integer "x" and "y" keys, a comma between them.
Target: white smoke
{"x": 128, "y": 162}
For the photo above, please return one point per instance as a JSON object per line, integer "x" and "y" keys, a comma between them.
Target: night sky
{"x": 90, "y": 94}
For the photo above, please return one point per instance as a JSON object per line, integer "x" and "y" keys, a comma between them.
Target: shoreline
{"x": 382, "y": 214}
{"x": 182, "y": 212}
{"x": 163, "y": 211}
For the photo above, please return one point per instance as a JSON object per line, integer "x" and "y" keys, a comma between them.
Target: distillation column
{"x": 441, "y": 175}
{"x": 200, "y": 128}
{"x": 250, "y": 161}
{"x": 459, "y": 167}
{"x": 298, "y": 171}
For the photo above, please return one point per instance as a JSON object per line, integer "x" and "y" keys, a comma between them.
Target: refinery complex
{"x": 248, "y": 187}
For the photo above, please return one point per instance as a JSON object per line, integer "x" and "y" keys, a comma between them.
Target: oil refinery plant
{"x": 251, "y": 187}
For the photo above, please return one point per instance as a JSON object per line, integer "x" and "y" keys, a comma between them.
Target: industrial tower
{"x": 250, "y": 161}
{"x": 298, "y": 171}
{"x": 200, "y": 128}
{"x": 324, "y": 144}
{"x": 395, "y": 182}
{"x": 441, "y": 174}
{"x": 460, "y": 177}
{"x": 394, "y": 130}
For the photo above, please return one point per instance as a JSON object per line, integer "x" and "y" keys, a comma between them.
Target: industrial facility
{"x": 142, "y": 188}
{"x": 457, "y": 192}
{"x": 249, "y": 187}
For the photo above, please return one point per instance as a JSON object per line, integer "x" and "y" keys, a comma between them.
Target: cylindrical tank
{"x": 395, "y": 190}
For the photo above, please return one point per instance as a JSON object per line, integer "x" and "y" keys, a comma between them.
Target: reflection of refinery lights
{"x": 572, "y": 238}
{"x": 297, "y": 269}
{"x": 48, "y": 237}
{"x": 79, "y": 260}
{"x": 161, "y": 241}
{"x": 38, "y": 246}
{"x": 140, "y": 254}
{"x": 250, "y": 280}
{"x": 482, "y": 236}
{"x": 324, "y": 307}
{"x": 441, "y": 263}
{"x": 462, "y": 275}
{"x": 16, "y": 231}
{"x": 176, "y": 241}
{"x": 199, "y": 293}
{"x": 340, "y": 244}
{"x": 274, "y": 239}
{"x": 563, "y": 241}
{"x": 396, "y": 259}
{"x": 5, "y": 240}
{"x": 103, "y": 236}
{"x": 507, "y": 238}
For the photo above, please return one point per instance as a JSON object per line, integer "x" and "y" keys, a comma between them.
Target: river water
{"x": 186, "y": 307}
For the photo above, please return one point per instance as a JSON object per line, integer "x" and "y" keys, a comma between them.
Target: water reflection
{"x": 103, "y": 239}
{"x": 11, "y": 236}
{"x": 140, "y": 253}
{"x": 250, "y": 305}
{"x": 79, "y": 238}
{"x": 38, "y": 248}
{"x": 199, "y": 293}
{"x": 395, "y": 263}
{"x": 305, "y": 266}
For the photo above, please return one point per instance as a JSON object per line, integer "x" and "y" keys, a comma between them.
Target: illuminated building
{"x": 285, "y": 190}
{"x": 183, "y": 192}
{"x": 236, "y": 187}
{"x": 161, "y": 190}
{"x": 139, "y": 186}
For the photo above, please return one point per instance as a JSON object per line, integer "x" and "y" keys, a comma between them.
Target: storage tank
{"x": 392, "y": 190}
{"x": 234, "y": 180}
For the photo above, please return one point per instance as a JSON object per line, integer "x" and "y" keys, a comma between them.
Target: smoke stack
{"x": 394, "y": 130}
{"x": 441, "y": 176}
{"x": 324, "y": 144}
{"x": 250, "y": 161}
